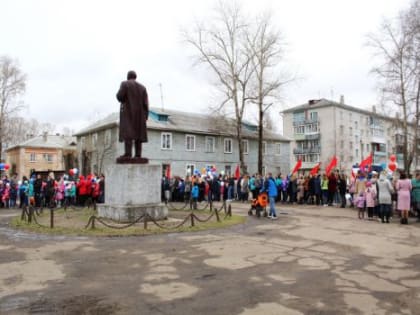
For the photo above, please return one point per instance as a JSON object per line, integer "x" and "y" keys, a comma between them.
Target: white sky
{"x": 76, "y": 53}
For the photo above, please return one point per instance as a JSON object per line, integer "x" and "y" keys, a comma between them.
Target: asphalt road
{"x": 313, "y": 260}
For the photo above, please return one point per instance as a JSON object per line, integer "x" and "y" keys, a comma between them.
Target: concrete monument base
{"x": 132, "y": 190}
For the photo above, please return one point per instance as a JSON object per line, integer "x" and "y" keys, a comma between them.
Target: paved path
{"x": 313, "y": 260}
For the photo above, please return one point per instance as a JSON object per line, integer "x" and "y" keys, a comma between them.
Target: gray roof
{"x": 326, "y": 103}
{"x": 48, "y": 141}
{"x": 187, "y": 122}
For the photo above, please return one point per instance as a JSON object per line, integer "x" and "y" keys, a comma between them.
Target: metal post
{"x": 192, "y": 219}
{"x": 52, "y": 218}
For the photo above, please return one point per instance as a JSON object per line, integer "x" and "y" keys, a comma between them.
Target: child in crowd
{"x": 370, "y": 196}
{"x": 194, "y": 196}
{"x": 359, "y": 202}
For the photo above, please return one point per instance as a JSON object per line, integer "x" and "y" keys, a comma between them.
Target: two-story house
{"x": 184, "y": 142}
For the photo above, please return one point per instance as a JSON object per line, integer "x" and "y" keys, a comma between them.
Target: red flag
{"x": 297, "y": 166}
{"x": 332, "y": 164}
{"x": 237, "y": 172}
{"x": 366, "y": 162}
{"x": 168, "y": 172}
{"x": 315, "y": 169}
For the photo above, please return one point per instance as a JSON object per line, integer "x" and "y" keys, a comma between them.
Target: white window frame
{"x": 245, "y": 144}
{"x": 228, "y": 140}
{"x": 32, "y": 157}
{"x": 162, "y": 135}
{"x": 188, "y": 143}
{"x": 48, "y": 157}
{"x": 107, "y": 138}
{"x": 94, "y": 140}
{"x": 278, "y": 148}
{"x": 191, "y": 167}
{"x": 264, "y": 147}
{"x": 207, "y": 144}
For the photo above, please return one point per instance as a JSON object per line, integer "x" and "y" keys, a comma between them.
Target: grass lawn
{"x": 73, "y": 222}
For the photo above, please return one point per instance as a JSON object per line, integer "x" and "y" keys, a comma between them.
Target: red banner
{"x": 297, "y": 166}
{"x": 332, "y": 164}
{"x": 237, "y": 172}
{"x": 315, "y": 169}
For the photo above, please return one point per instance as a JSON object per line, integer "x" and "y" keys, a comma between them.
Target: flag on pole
{"x": 168, "y": 172}
{"x": 297, "y": 166}
{"x": 330, "y": 166}
{"x": 237, "y": 172}
{"x": 366, "y": 162}
{"x": 315, "y": 169}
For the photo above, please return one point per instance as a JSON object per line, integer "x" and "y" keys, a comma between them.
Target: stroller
{"x": 259, "y": 204}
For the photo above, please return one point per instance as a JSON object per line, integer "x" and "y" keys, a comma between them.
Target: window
{"x": 107, "y": 136}
{"x": 367, "y": 147}
{"x": 189, "y": 142}
{"x": 362, "y": 147}
{"x": 94, "y": 139}
{"x": 350, "y": 131}
{"x": 362, "y": 132}
{"x": 228, "y": 170}
{"x": 190, "y": 169}
{"x": 166, "y": 143}
{"x": 314, "y": 116}
{"x": 245, "y": 146}
{"x": 341, "y": 115}
{"x": 228, "y": 145}
{"x": 298, "y": 116}
{"x": 342, "y": 144}
{"x": 341, "y": 130}
{"x": 32, "y": 157}
{"x": 351, "y": 145}
{"x": 264, "y": 147}
{"x": 48, "y": 157}
{"x": 357, "y": 153}
{"x": 278, "y": 148}
{"x": 356, "y": 125}
{"x": 209, "y": 144}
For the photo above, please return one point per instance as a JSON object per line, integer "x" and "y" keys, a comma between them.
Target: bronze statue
{"x": 134, "y": 112}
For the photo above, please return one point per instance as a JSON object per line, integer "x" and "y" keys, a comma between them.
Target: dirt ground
{"x": 313, "y": 260}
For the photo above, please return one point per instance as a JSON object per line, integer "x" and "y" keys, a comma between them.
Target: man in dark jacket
{"x": 134, "y": 112}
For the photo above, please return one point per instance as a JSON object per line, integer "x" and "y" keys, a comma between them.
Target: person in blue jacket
{"x": 271, "y": 189}
{"x": 194, "y": 196}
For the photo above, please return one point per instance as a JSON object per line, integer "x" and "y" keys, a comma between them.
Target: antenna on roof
{"x": 161, "y": 96}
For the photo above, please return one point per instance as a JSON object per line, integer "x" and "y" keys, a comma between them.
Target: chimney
{"x": 374, "y": 109}
{"x": 45, "y": 136}
{"x": 342, "y": 99}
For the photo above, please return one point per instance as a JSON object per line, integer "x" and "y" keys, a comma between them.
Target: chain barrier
{"x": 189, "y": 203}
{"x": 28, "y": 213}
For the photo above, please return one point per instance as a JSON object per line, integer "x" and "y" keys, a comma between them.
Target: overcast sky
{"x": 76, "y": 53}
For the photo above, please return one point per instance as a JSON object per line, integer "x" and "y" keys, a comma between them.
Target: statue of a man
{"x": 134, "y": 112}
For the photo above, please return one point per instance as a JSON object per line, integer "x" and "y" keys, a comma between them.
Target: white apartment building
{"x": 322, "y": 128}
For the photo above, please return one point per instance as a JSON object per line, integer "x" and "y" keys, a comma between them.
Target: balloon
{"x": 392, "y": 166}
{"x": 392, "y": 158}
{"x": 71, "y": 172}
{"x": 6, "y": 166}
{"x": 203, "y": 171}
{"x": 1, "y": 166}
{"x": 383, "y": 165}
{"x": 75, "y": 170}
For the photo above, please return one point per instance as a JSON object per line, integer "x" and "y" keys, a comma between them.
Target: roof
{"x": 48, "y": 141}
{"x": 187, "y": 122}
{"x": 312, "y": 104}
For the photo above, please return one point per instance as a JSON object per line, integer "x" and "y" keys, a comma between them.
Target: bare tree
{"x": 221, "y": 45}
{"x": 266, "y": 49}
{"x": 12, "y": 85}
{"x": 397, "y": 44}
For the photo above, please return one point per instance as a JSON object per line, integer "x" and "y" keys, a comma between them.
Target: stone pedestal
{"x": 132, "y": 190}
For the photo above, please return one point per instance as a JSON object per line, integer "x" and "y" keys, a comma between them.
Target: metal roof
{"x": 48, "y": 141}
{"x": 188, "y": 122}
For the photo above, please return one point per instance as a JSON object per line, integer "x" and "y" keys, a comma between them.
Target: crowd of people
{"x": 51, "y": 191}
{"x": 378, "y": 195}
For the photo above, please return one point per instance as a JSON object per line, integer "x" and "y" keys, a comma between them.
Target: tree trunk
{"x": 260, "y": 137}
